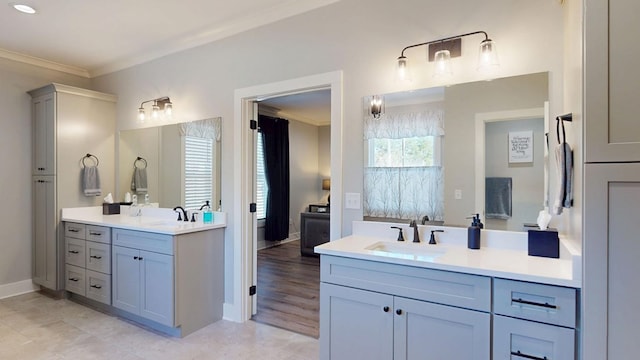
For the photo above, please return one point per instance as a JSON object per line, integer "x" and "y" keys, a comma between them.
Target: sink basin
{"x": 408, "y": 251}
{"x": 165, "y": 223}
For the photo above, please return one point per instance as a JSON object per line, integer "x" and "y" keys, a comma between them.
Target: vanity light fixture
{"x": 376, "y": 107}
{"x": 442, "y": 50}
{"x": 162, "y": 107}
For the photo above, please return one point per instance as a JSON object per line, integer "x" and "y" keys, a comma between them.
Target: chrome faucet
{"x": 416, "y": 235}
{"x": 186, "y": 217}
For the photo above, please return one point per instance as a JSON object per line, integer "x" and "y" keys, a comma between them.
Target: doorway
{"x": 244, "y": 304}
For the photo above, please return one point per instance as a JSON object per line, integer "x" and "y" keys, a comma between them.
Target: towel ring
{"x": 90, "y": 156}
{"x": 140, "y": 159}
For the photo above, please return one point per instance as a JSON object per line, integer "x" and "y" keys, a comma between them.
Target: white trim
{"x": 240, "y": 310}
{"x": 46, "y": 64}
{"x": 17, "y": 288}
{"x": 481, "y": 119}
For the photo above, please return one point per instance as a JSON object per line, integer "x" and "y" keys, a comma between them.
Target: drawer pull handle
{"x": 96, "y": 257}
{"x": 385, "y": 309}
{"x": 74, "y": 279}
{"x": 74, "y": 230}
{"x": 74, "y": 251}
{"x": 94, "y": 233}
{"x": 519, "y": 354}
{"x": 140, "y": 258}
{"x": 96, "y": 286}
{"x": 135, "y": 258}
{"x": 399, "y": 311}
{"x": 525, "y": 302}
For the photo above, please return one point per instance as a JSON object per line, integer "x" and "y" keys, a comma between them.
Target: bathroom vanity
{"x": 156, "y": 271}
{"x": 382, "y": 299}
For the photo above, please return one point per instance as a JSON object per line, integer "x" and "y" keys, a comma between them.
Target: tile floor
{"x": 34, "y": 326}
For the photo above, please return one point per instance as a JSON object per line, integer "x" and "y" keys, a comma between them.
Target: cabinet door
{"x": 518, "y": 339}
{"x": 44, "y": 134}
{"x": 355, "y": 324}
{"x": 611, "y": 120}
{"x": 126, "y": 279}
{"x": 611, "y": 293}
{"x": 156, "y": 297}
{"x": 426, "y": 330}
{"x": 45, "y": 246}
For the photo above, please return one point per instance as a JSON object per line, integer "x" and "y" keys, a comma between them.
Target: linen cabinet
{"x": 68, "y": 123}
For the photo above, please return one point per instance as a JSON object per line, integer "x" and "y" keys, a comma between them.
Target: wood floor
{"x": 289, "y": 289}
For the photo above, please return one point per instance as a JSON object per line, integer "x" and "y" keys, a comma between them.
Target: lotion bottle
{"x": 473, "y": 232}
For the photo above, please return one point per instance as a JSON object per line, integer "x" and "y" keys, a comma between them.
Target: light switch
{"x": 457, "y": 194}
{"x": 352, "y": 200}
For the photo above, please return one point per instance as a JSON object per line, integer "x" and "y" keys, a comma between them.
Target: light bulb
{"x": 442, "y": 59}
{"x": 141, "y": 114}
{"x": 168, "y": 109}
{"x": 155, "y": 110}
{"x": 402, "y": 69}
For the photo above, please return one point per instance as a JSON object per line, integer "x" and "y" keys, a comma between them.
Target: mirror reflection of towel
{"x": 91, "y": 181}
{"x": 497, "y": 198}
{"x": 139, "y": 180}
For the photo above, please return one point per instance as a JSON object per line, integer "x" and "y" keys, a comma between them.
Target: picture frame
{"x": 520, "y": 146}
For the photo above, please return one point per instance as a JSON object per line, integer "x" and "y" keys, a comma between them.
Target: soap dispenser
{"x": 473, "y": 232}
{"x": 207, "y": 215}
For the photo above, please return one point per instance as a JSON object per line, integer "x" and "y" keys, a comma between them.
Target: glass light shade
{"x": 488, "y": 55}
{"x": 168, "y": 110}
{"x": 155, "y": 111}
{"x": 326, "y": 184}
{"x": 442, "y": 60}
{"x": 141, "y": 114}
{"x": 376, "y": 108}
{"x": 402, "y": 69}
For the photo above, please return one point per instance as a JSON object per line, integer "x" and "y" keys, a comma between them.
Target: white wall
{"x": 362, "y": 38}
{"x": 15, "y": 178}
{"x": 324, "y": 158}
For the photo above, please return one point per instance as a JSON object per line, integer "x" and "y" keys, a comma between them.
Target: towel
{"x": 497, "y": 198}
{"x": 564, "y": 164}
{"x": 139, "y": 180}
{"x": 91, "y": 181}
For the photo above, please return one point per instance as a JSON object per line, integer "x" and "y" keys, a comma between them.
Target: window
{"x": 405, "y": 152}
{"x": 198, "y": 171}
{"x": 262, "y": 189}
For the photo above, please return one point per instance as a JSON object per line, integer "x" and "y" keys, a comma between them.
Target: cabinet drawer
{"x": 444, "y": 287}
{"x": 99, "y": 287}
{"x": 75, "y": 230}
{"x": 99, "y": 234}
{"x": 75, "y": 279}
{"x": 98, "y": 257}
{"x": 521, "y": 339}
{"x": 158, "y": 243}
{"x": 544, "y": 303}
{"x": 74, "y": 251}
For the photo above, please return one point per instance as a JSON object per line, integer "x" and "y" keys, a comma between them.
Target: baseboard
{"x": 17, "y": 288}
{"x": 263, "y": 244}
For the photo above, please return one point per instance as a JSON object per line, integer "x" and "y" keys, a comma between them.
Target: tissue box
{"x": 544, "y": 243}
{"x": 110, "y": 209}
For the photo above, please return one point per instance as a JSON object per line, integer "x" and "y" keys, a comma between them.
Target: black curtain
{"x": 275, "y": 140}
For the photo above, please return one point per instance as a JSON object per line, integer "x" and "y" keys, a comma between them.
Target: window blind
{"x": 261, "y": 182}
{"x": 198, "y": 172}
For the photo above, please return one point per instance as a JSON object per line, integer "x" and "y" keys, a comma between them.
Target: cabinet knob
{"x": 399, "y": 311}
{"x": 385, "y": 309}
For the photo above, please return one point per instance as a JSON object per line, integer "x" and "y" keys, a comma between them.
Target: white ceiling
{"x": 91, "y": 38}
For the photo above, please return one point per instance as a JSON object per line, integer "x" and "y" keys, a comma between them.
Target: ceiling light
{"x": 24, "y": 8}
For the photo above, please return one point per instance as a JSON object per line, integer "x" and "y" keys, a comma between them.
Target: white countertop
{"x": 507, "y": 258}
{"x": 155, "y": 220}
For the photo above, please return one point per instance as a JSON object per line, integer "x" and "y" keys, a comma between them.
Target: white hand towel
{"x": 564, "y": 164}
{"x": 91, "y": 181}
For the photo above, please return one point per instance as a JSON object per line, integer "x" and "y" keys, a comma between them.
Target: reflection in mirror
{"x": 420, "y": 160}
{"x": 182, "y": 162}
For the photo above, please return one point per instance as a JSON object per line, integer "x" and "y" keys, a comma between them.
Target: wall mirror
{"x": 444, "y": 153}
{"x": 181, "y": 163}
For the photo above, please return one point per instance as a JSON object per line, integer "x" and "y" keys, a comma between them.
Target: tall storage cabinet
{"x": 611, "y": 180}
{"x": 68, "y": 123}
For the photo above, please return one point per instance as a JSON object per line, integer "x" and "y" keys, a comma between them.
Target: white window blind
{"x": 198, "y": 171}
{"x": 262, "y": 188}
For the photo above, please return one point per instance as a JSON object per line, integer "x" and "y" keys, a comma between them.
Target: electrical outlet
{"x": 457, "y": 194}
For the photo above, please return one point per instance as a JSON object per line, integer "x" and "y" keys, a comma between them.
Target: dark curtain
{"x": 275, "y": 137}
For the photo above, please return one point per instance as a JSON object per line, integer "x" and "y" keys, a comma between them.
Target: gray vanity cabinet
{"x": 45, "y": 250}
{"x": 143, "y": 280}
{"x": 371, "y": 310}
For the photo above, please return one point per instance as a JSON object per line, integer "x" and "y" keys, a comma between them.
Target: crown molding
{"x": 46, "y": 64}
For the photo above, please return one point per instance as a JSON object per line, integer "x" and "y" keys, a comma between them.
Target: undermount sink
{"x": 408, "y": 251}
{"x": 165, "y": 223}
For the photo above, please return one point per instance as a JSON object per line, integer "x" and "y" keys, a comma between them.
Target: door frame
{"x": 240, "y": 308}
